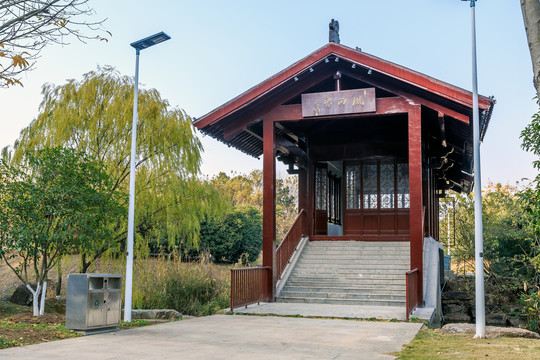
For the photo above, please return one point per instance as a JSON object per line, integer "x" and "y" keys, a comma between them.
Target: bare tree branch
{"x": 27, "y": 26}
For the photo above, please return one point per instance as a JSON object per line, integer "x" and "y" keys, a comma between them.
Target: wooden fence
{"x": 249, "y": 286}
{"x": 412, "y": 282}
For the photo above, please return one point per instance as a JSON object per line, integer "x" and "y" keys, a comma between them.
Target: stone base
{"x": 492, "y": 332}
{"x": 155, "y": 314}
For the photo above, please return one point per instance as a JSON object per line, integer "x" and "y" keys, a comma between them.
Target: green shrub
{"x": 237, "y": 232}
{"x": 531, "y": 308}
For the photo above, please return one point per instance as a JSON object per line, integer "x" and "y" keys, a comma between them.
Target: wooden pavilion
{"x": 375, "y": 146}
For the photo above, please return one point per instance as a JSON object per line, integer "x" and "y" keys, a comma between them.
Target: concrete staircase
{"x": 349, "y": 272}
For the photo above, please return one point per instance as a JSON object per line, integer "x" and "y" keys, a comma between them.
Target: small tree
{"x": 243, "y": 189}
{"x": 236, "y": 233}
{"x": 507, "y": 235}
{"x": 530, "y": 197}
{"x": 27, "y": 26}
{"x": 56, "y": 206}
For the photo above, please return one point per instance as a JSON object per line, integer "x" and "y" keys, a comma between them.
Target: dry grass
{"x": 198, "y": 288}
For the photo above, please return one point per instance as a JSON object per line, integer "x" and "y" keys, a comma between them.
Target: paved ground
{"x": 326, "y": 310}
{"x": 239, "y": 337}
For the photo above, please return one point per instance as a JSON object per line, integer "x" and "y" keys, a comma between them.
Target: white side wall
{"x": 431, "y": 272}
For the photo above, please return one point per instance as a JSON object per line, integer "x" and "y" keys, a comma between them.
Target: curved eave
{"x": 387, "y": 68}
{"x": 486, "y": 117}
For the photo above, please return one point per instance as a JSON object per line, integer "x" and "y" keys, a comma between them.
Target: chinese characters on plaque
{"x": 339, "y": 102}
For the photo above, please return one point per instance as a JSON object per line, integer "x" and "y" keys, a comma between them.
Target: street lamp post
{"x": 138, "y": 45}
{"x": 478, "y": 228}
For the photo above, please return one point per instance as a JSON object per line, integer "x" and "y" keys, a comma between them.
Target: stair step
{"x": 387, "y": 290}
{"x": 352, "y": 257}
{"x": 379, "y": 283}
{"x": 359, "y": 243}
{"x": 353, "y": 262}
{"x": 341, "y": 280}
{"x": 343, "y": 295}
{"x": 404, "y": 249}
{"x": 349, "y": 272}
{"x": 358, "y": 269}
{"x": 323, "y": 250}
{"x": 358, "y": 274}
{"x": 328, "y": 278}
{"x": 370, "y": 302}
{"x": 352, "y": 273}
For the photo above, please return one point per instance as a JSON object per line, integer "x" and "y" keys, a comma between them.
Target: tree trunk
{"x": 43, "y": 295}
{"x": 35, "y": 296}
{"x": 531, "y": 20}
{"x": 59, "y": 283}
{"x": 38, "y": 304}
{"x": 84, "y": 264}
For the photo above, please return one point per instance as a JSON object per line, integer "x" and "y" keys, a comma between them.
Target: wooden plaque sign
{"x": 339, "y": 102}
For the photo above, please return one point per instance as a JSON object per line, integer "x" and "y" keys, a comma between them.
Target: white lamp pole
{"x": 478, "y": 228}
{"x": 138, "y": 45}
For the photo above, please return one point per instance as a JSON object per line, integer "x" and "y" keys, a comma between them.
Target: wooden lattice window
{"x": 370, "y": 186}
{"x": 403, "y": 197}
{"x": 321, "y": 188}
{"x": 383, "y": 185}
{"x": 353, "y": 177}
{"x": 387, "y": 186}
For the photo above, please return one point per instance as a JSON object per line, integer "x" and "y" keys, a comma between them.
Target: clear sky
{"x": 219, "y": 49}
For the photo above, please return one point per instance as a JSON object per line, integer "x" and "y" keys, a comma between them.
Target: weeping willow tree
{"x": 94, "y": 116}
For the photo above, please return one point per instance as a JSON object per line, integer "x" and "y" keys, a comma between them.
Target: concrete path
{"x": 327, "y": 310}
{"x": 239, "y": 337}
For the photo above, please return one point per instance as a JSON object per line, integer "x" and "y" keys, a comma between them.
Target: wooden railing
{"x": 289, "y": 243}
{"x": 249, "y": 286}
{"x": 412, "y": 291}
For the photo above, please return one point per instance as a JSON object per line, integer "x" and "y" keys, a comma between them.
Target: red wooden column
{"x": 303, "y": 196}
{"x": 269, "y": 198}
{"x": 415, "y": 190}
{"x": 310, "y": 211}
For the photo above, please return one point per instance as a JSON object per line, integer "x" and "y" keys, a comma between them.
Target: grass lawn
{"x": 19, "y": 327}
{"x": 192, "y": 288}
{"x": 432, "y": 345}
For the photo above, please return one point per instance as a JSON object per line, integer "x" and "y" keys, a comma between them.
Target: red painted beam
{"x": 415, "y": 191}
{"x": 385, "y": 106}
{"x": 441, "y": 109}
{"x": 413, "y": 98}
{"x": 232, "y": 128}
{"x": 269, "y": 197}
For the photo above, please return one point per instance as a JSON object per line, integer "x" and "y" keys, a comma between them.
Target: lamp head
{"x": 150, "y": 41}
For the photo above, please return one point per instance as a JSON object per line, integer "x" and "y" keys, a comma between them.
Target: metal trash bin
{"x": 94, "y": 301}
